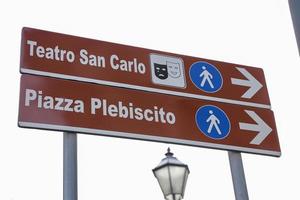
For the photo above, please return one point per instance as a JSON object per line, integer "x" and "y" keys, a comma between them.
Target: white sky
{"x": 250, "y": 32}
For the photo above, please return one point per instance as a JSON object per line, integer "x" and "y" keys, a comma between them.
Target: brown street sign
{"x": 64, "y": 105}
{"x": 81, "y": 59}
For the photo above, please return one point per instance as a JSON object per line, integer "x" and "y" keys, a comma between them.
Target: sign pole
{"x": 294, "y": 9}
{"x": 238, "y": 175}
{"x": 70, "y": 166}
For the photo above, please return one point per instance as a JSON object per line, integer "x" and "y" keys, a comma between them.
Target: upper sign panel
{"x": 75, "y": 58}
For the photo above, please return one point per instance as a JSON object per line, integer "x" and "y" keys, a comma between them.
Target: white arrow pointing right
{"x": 261, "y": 127}
{"x": 251, "y": 82}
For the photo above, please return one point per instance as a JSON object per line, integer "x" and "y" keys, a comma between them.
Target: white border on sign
{"x": 146, "y": 137}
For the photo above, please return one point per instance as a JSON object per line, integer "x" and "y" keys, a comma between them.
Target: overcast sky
{"x": 251, "y": 32}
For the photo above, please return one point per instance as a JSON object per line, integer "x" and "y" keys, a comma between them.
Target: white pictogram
{"x": 206, "y": 77}
{"x": 214, "y": 121}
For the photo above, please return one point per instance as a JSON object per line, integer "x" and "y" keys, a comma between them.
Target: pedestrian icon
{"x": 212, "y": 122}
{"x": 167, "y": 70}
{"x": 206, "y": 77}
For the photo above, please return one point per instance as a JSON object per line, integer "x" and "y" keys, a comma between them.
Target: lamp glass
{"x": 177, "y": 178}
{"x": 163, "y": 179}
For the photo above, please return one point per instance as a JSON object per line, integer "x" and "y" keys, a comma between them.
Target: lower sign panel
{"x": 63, "y": 105}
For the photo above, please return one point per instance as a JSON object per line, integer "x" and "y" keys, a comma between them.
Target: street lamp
{"x": 171, "y": 175}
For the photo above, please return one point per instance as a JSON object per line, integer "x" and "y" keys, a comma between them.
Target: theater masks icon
{"x": 161, "y": 71}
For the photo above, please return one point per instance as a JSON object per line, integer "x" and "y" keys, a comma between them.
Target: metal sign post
{"x": 238, "y": 175}
{"x": 70, "y": 166}
{"x": 295, "y": 8}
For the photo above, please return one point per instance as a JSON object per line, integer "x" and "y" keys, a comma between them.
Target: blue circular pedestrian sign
{"x": 212, "y": 122}
{"x": 206, "y": 77}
